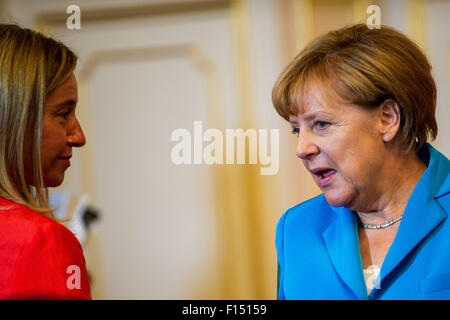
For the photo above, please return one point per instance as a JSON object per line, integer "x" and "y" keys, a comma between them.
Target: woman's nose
{"x": 306, "y": 148}
{"x": 76, "y": 136}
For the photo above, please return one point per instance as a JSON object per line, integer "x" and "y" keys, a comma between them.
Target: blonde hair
{"x": 365, "y": 67}
{"x": 31, "y": 66}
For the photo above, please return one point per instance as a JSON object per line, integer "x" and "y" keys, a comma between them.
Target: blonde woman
{"x": 39, "y": 257}
{"x": 362, "y": 103}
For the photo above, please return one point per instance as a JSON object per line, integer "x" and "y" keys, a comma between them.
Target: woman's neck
{"x": 395, "y": 185}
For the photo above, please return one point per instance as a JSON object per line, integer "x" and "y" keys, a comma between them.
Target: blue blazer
{"x": 318, "y": 246}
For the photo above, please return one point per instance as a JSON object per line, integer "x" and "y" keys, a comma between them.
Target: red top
{"x": 39, "y": 258}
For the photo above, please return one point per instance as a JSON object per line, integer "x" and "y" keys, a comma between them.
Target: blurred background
{"x": 146, "y": 68}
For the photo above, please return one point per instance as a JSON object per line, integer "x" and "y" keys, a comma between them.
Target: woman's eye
{"x": 295, "y": 131}
{"x": 65, "y": 115}
{"x": 321, "y": 124}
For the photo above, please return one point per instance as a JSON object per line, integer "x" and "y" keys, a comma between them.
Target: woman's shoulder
{"x": 23, "y": 224}
{"x": 37, "y": 256}
{"x": 307, "y": 208}
{"x": 314, "y": 211}
{"x": 310, "y": 203}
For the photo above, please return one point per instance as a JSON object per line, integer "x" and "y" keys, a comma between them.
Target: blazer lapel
{"x": 422, "y": 214}
{"x": 343, "y": 248}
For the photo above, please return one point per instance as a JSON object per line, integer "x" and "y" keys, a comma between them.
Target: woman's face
{"x": 340, "y": 145}
{"x": 61, "y": 132}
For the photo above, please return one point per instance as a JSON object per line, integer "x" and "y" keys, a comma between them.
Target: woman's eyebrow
{"x": 68, "y": 102}
{"x": 310, "y": 116}
{"x": 316, "y": 114}
{"x": 65, "y": 103}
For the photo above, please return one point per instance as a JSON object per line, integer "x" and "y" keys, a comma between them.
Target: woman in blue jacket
{"x": 362, "y": 103}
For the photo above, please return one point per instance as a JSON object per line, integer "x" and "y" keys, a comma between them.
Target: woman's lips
{"x": 66, "y": 160}
{"x": 323, "y": 176}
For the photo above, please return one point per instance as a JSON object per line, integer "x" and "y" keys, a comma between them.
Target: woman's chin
{"x": 54, "y": 181}
{"x": 337, "y": 198}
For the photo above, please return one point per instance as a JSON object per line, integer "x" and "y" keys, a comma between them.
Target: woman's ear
{"x": 389, "y": 114}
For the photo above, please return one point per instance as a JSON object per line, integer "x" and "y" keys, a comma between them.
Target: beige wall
{"x": 149, "y": 67}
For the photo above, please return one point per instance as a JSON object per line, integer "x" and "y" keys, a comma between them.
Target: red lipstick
{"x": 66, "y": 160}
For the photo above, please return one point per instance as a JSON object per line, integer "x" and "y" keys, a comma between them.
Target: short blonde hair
{"x": 31, "y": 66}
{"x": 365, "y": 67}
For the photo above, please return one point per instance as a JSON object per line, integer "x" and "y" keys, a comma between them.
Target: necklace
{"x": 379, "y": 226}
